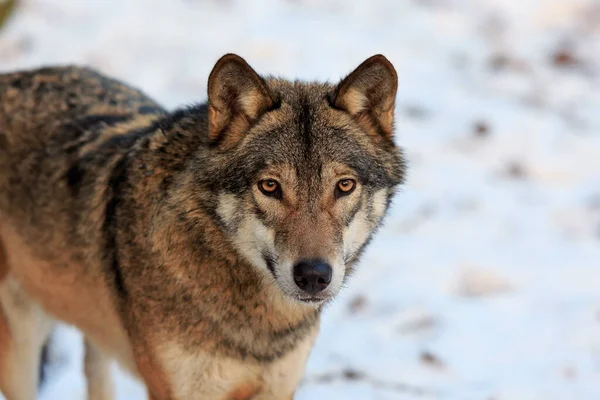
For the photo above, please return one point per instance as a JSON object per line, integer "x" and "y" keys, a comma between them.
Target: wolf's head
{"x": 303, "y": 172}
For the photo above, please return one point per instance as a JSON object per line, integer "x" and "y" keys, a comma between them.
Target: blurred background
{"x": 485, "y": 282}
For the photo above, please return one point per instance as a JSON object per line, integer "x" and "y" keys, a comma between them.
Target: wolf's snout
{"x": 312, "y": 276}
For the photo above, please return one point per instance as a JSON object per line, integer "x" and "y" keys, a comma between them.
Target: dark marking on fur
{"x": 148, "y": 110}
{"x": 116, "y": 183}
{"x": 306, "y": 124}
{"x": 74, "y": 176}
{"x": 270, "y": 261}
{"x": 44, "y": 361}
{"x": 86, "y": 129}
{"x": 90, "y": 121}
{"x": 18, "y": 83}
{"x": 350, "y": 216}
{"x": 260, "y": 213}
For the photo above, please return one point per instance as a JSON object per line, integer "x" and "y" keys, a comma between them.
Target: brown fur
{"x": 147, "y": 229}
{"x": 6, "y": 344}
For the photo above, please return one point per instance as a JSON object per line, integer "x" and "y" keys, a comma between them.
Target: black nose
{"x": 312, "y": 276}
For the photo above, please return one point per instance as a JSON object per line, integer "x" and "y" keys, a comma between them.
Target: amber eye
{"x": 270, "y": 187}
{"x": 344, "y": 187}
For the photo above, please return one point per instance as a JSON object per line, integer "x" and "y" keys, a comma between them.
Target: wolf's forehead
{"x": 306, "y": 133}
{"x": 309, "y": 154}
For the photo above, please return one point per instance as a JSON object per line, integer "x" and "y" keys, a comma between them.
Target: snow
{"x": 485, "y": 281}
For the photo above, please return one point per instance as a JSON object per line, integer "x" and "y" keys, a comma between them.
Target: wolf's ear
{"x": 236, "y": 97}
{"x": 369, "y": 93}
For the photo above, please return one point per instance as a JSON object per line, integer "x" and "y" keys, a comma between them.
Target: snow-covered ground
{"x": 485, "y": 282}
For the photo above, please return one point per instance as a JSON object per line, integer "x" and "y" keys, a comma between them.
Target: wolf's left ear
{"x": 237, "y": 95}
{"x": 369, "y": 93}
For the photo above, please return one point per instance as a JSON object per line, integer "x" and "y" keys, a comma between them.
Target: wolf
{"x": 198, "y": 247}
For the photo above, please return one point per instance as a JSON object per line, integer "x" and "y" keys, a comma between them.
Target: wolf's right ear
{"x": 369, "y": 94}
{"x": 237, "y": 95}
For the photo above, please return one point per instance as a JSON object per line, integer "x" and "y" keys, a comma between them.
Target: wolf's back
{"x": 55, "y": 124}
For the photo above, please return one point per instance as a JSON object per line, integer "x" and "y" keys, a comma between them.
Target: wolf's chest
{"x": 200, "y": 375}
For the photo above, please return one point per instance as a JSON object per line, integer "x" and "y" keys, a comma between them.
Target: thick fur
{"x": 148, "y": 231}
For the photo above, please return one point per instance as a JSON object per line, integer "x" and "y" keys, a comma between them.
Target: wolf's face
{"x": 304, "y": 172}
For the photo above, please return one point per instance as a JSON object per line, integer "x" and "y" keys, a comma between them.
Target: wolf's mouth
{"x": 311, "y": 299}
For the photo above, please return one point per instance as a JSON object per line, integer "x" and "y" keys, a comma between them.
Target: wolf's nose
{"x": 312, "y": 276}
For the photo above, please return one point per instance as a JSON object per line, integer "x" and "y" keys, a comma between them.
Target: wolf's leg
{"x": 98, "y": 373}
{"x": 24, "y": 328}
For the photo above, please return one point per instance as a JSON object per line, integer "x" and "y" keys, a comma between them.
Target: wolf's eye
{"x": 344, "y": 187}
{"x": 270, "y": 187}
